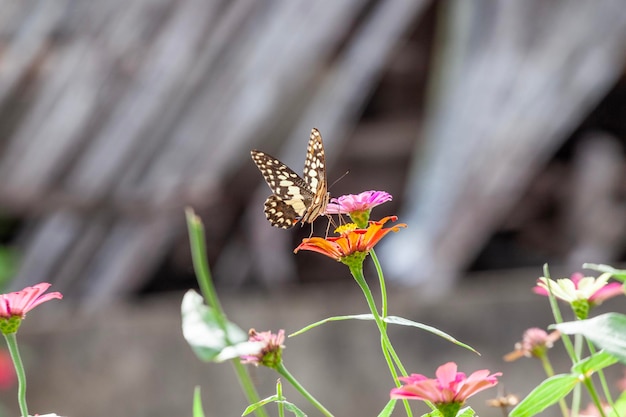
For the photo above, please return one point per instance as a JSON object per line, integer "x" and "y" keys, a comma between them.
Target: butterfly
{"x": 295, "y": 198}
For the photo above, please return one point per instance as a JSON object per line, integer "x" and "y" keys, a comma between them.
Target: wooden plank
{"x": 512, "y": 97}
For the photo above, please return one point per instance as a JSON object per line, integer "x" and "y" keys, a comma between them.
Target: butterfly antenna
{"x": 338, "y": 179}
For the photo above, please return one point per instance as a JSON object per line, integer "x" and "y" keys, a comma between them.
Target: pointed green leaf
{"x": 391, "y": 320}
{"x": 204, "y": 334}
{"x": 619, "y": 274}
{"x": 607, "y": 331}
{"x": 594, "y": 363}
{"x": 620, "y": 406}
{"x": 386, "y": 412}
{"x": 197, "y": 403}
{"x": 292, "y": 407}
{"x": 404, "y": 322}
{"x": 547, "y": 393}
{"x": 253, "y": 407}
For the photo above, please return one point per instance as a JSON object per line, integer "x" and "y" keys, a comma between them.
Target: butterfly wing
{"x": 315, "y": 162}
{"x": 315, "y": 177}
{"x": 292, "y": 195}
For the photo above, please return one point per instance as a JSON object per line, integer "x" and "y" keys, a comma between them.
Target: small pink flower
{"x": 21, "y": 302}
{"x": 449, "y": 387}
{"x": 15, "y": 305}
{"x": 535, "y": 343}
{"x": 364, "y": 201}
{"x": 270, "y": 348}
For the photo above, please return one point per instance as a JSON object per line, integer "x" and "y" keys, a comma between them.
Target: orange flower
{"x": 350, "y": 241}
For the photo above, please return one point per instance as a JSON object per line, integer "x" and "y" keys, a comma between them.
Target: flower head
{"x": 270, "y": 348}
{"x": 535, "y": 343}
{"x": 358, "y": 206}
{"x": 580, "y": 292}
{"x": 448, "y": 391}
{"x": 352, "y": 243}
{"x": 15, "y": 305}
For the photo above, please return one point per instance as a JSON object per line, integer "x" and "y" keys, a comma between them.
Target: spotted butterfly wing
{"x": 295, "y": 199}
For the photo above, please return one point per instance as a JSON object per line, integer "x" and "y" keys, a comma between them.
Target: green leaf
{"x": 607, "y": 331}
{"x": 197, "y": 403}
{"x": 274, "y": 399}
{"x": 547, "y": 393}
{"x": 253, "y": 407}
{"x": 619, "y": 274}
{"x": 594, "y": 363}
{"x": 466, "y": 412}
{"x": 620, "y": 406}
{"x": 205, "y": 335}
{"x": 391, "y": 320}
{"x": 386, "y": 412}
{"x": 292, "y": 407}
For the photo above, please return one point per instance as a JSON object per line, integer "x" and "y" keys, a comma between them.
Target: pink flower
{"x": 270, "y": 348}
{"x": 15, "y": 305}
{"x": 450, "y": 386}
{"x": 535, "y": 343}
{"x": 21, "y": 302}
{"x": 364, "y": 201}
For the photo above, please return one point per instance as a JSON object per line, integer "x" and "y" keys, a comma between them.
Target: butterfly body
{"x": 295, "y": 198}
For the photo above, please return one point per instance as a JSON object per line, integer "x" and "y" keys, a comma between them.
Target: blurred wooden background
{"x": 499, "y": 126}
{"x": 117, "y": 115}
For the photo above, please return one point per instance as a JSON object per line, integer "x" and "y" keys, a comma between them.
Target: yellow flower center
{"x": 346, "y": 228}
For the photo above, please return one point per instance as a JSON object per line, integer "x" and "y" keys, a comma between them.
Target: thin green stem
{"x": 381, "y": 282}
{"x": 294, "y": 382}
{"x": 205, "y": 281}
{"x": 201, "y": 265}
{"x": 388, "y": 350}
{"x": 19, "y": 371}
{"x": 594, "y": 396}
{"x": 605, "y": 386}
{"x": 549, "y": 370}
{"x": 279, "y": 394}
{"x": 247, "y": 386}
{"x": 558, "y": 318}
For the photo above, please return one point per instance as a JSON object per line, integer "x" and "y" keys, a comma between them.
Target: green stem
{"x": 558, "y": 318}
{"x": 205, "y": 281}
{"x": 549, "y": 370}
{"x": 381, "y": 282}
{"x": 201, "y": 265}
{"x": 279, "y": 394}
{"x": 19, "y": 371}
{"x": 388, "y": 350}
{"x": 605, "y": 386}
{"x": 594, "y": 396}
{"x": 294, "y": 382}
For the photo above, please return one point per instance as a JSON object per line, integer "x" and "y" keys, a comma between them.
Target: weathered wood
{"x": 511, "y": 88}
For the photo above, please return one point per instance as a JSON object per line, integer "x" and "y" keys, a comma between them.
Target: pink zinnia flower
{"x": 270, "y": 348}
{"x": 449, "y": 387}
{"x": 358, "y": 206}
{"x": 366, "y": 200}
{"x": 15, "y": 305}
